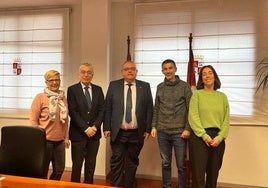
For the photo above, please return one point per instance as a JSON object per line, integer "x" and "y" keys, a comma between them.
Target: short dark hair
{"x": 169, "y": 61}
{"x": 217, "y": 82}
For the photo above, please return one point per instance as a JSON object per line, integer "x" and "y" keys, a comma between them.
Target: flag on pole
{"x": 191, "y": 65}
{"x": 191, "y": 81}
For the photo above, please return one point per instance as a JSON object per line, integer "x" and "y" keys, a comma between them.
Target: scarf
{"x": 55, "y": 99}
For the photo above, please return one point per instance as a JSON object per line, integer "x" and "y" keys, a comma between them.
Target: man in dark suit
{"x": 86, "y": 110}
{"x": 127, "y": 130}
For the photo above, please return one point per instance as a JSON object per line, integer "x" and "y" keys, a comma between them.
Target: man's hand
{"x": 107, "y": 134}
{"x": 185, "y": 134}
{"x": 91, "y": 131}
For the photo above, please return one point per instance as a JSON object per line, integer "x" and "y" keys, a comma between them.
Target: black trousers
{"x": 55, "y": 155}
{"x": 81, "y": 151}
{"x": 125, "y": 158}
{"x": 205, "y": 161}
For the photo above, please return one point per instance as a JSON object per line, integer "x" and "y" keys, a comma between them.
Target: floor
{"x": 141, "y": 183}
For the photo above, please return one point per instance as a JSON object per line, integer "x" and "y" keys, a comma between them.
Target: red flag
{"x": 191, "y": 65}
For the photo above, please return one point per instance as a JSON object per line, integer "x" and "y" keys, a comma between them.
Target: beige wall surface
{"x": 98, "y": 33}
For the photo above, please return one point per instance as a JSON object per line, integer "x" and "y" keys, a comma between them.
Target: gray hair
{"x": 87, "y": 65}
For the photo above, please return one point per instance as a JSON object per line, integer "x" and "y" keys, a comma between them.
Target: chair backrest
{"x": 23, "y": 151}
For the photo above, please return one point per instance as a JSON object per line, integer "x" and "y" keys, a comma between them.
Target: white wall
{"x": 245, "y": 160}
{"x": 95, "y": 48}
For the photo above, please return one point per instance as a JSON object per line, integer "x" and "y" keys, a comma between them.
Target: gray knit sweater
{"x": 171, "y": 106}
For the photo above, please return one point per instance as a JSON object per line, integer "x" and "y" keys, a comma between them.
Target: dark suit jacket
{"x": 81, "y": 117}
{"x": 114, "y": 108}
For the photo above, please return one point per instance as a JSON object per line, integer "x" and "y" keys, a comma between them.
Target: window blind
{"x": 39, "y": 40}
{"x": 226, "y": 33}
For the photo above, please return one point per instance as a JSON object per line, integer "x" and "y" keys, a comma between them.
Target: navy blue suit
{"x": 82, "y": 146}
{"x": 126, "y": 145}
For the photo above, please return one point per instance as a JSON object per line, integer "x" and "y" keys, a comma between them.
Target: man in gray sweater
{"x": 170, "y": 122}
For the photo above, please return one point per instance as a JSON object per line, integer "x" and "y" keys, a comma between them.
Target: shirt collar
{"x": 83, "y": 85}
{"x": 133, "y": 83}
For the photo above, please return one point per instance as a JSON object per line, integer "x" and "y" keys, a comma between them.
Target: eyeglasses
{"x": 86, "y": 72}
{"x": 129, "y": 69}
{"x": 53, "y": 80}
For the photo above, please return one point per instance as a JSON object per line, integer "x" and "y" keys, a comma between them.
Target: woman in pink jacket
{"x": 49, "y": 111}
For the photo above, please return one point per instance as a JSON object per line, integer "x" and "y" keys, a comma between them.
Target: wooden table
{"x": 25, "y": 182}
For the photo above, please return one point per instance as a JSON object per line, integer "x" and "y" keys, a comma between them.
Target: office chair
{"x": 23, "y": 151}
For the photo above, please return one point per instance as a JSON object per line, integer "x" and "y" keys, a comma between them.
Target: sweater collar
{"x": 169, "y": 83}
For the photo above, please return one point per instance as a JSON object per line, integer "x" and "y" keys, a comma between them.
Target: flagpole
{"x": 128, "y": 49}
{"x": 192, "y": 82}
{"x": 191, "y": 72}
{"x": 190, "y": 42}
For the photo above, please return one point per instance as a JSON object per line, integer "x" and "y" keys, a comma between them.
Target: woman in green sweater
{"x": 209, "y": 120}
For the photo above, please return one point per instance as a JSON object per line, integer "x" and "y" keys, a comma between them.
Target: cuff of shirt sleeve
{"x": 220, "y": 138}
{"x": 87, "y": 129}
{"x": 205, "y": 136}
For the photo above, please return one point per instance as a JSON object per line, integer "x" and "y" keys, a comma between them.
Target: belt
{"x": 129, "y": 130}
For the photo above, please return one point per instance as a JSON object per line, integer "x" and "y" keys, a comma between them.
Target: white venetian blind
{"x": 39, "y": 38}
{"x": 225, "y": 32}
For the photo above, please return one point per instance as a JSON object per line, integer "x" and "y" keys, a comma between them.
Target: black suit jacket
{"x": 81, "y": 117}
{"x": 114, "y": 107}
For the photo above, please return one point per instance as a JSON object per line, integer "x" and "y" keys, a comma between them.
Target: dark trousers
{"x": 81, "y": 151}
{"x": 205, "y": 161}
{"x": 125, "y": 158}
{"x": 55, "y": 155}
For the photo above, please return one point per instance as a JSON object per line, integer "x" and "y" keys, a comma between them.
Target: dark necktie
{"x": 87, "y": 94}
{"x": 129, "y": 104}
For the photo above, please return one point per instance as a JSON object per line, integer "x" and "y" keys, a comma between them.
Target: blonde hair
{"x": 50, "y": 74}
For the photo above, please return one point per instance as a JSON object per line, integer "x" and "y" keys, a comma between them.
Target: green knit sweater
{"x": 209, "y": 110}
